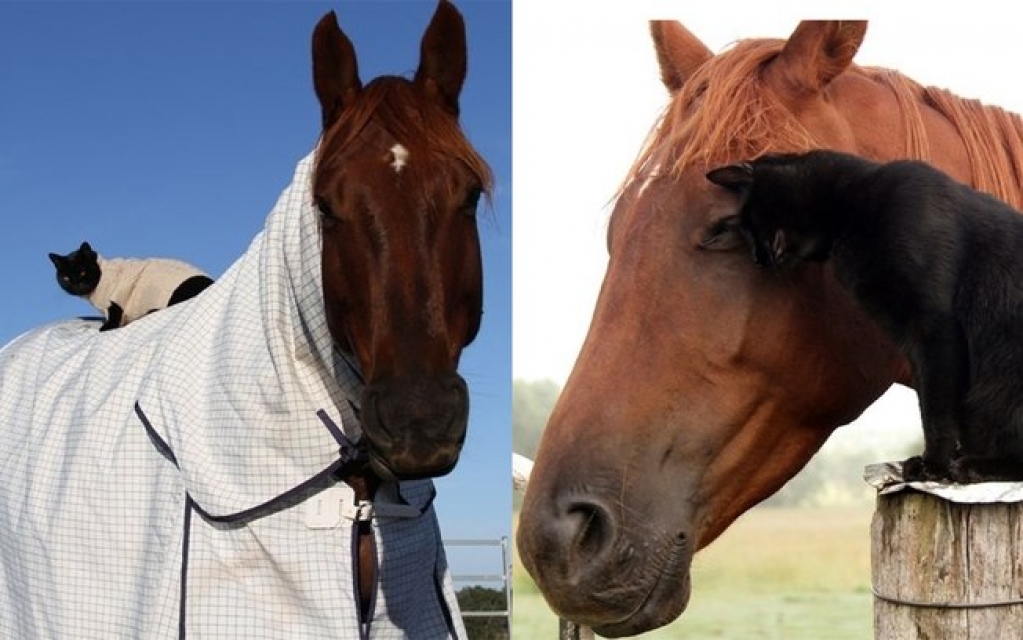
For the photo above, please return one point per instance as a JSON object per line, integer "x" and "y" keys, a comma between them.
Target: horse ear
{"x": 735, "y": 177}
{"x": 335, "y": 69}
{"x": 442, "y": 56}
{"x": 817, "y": 52}
{"x": 679, "y": 53}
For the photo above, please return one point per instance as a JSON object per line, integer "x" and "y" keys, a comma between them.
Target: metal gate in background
{"x": 502, "y": 578}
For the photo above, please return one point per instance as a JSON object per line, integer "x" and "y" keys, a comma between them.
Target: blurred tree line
{"x": 532, "y": 402}
{"x": 833, "y": 476}
{"x": 477, "y": 598}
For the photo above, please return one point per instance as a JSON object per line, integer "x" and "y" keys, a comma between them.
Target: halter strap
{"x": 356, "y": 472}
{"x": 366, "y": 510}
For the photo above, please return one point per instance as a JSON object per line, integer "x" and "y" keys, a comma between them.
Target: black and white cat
{"x": 937, "y": 264}
{"x": 124, "y": 290}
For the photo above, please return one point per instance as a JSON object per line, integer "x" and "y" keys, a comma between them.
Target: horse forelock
{"x": 428, "y": 133}
{"x": 721, "y": 114}
{"x": 724, "y": 112}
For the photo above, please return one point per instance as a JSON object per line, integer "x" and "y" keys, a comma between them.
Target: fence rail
{"x": 504, "y": 577}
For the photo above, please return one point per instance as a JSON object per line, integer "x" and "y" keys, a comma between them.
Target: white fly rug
{"x": 173, "y": 478}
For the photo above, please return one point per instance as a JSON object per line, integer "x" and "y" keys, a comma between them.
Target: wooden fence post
{"x": 944, "y": 569}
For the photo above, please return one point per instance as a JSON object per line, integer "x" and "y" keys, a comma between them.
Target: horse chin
{"x": 415, "y": 428}
{"x": 621, "y": 614}
{"x": 622, "y": 594}
{"x": 662, "y": 606}
{"x": 390, "y": 472}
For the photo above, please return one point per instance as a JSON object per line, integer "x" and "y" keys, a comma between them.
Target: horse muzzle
{"x": 596, "y": 566}
{"x": 415, "y": 428}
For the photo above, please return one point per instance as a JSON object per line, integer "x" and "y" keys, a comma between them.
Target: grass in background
{"x": 785, "y": 573}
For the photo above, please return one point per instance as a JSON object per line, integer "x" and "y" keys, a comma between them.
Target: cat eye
{"x": 723, "y": 235}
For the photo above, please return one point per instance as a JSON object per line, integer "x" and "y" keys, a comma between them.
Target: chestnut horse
{"x": 704, "y": 384}
{"x": 397, "y": 185}
{"x": 255, "y": 461}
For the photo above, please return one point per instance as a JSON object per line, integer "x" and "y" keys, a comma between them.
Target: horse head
{"x": 705, "y": 383}
{"x": 397, "y": 185}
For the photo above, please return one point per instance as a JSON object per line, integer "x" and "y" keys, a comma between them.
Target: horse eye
{"x": 723, "y": 235}
{"x": 326, "y": 213}
{"x": 472, "y": 201}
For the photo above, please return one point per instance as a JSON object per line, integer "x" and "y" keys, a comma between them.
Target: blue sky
{"x": 169, "y": 129}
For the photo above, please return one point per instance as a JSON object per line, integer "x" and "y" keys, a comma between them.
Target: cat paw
{"x": 114, "y": 316}
{"x": 918, "y": 469}
{"x": 974, "y": 469}
{"x": 912, "y": 468}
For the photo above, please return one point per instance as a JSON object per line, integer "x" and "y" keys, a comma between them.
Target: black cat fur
{"x": 124, "y": 290}
{"x": 937, "y": 264}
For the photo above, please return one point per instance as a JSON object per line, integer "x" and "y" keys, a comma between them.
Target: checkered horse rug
{"x": 174, "y": 478}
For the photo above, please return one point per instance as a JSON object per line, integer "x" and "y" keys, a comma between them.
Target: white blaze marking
{"x": 400, "y": 154}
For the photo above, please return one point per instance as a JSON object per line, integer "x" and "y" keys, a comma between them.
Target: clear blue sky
{"x": 169, "y": 129}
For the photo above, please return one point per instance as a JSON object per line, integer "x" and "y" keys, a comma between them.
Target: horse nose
{"x": 570, "y": 543}
{"x": 416, "y": 427}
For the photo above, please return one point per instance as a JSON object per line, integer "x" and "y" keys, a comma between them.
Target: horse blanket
{"x": 174, "y": 478}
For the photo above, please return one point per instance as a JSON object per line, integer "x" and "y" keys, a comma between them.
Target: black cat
{"x": 936, "y": 263}
{"x": 124, "y": 290}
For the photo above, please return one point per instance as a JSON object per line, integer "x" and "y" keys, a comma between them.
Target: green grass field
{"x": 789, "y": 574}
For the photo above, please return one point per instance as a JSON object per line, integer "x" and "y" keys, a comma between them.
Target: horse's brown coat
{"x": 402, "y": 274}
{"x": 703, "y": 385}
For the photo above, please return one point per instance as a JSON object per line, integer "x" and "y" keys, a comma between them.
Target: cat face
{"x": 778, "y": 215}
{"x": 78, "y": 272}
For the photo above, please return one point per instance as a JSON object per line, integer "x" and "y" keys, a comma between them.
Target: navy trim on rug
{"x": 323, "y": 477}
{"x": 158, "y": 442}
{"x": 438, "y": 587}
{"x": 186, "y": 540}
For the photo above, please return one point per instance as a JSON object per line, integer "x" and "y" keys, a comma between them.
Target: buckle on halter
{"x": 359, "y": 511}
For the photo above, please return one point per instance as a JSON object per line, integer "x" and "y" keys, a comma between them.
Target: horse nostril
{"x": 592, "y": 526}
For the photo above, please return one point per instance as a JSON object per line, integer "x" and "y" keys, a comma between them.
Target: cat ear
{"x": 737, "y": 178}
{"x": 86, "y": 251}
{"x": 57, "y": 259}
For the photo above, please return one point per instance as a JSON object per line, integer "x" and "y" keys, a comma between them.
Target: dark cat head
{"x": 781, "y": 215}
{"x": 78, "y": 272}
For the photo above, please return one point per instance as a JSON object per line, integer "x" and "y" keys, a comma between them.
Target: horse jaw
{"x": 727, "y": 388}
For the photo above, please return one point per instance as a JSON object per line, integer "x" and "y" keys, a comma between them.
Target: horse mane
{"x": 422, "y": 125}
{"x": 723, "y": 113}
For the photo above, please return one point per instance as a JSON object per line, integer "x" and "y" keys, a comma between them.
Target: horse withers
{"x": 704, "y": 384}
